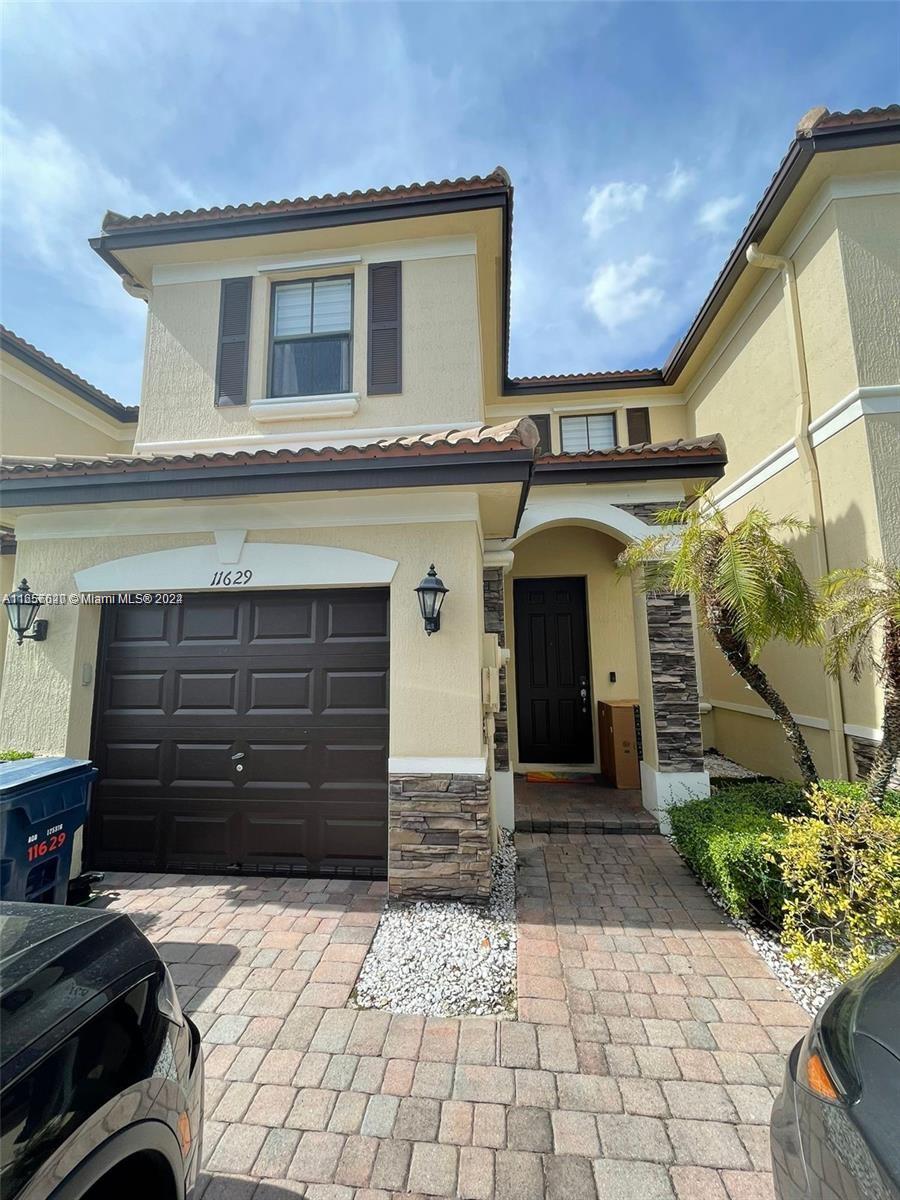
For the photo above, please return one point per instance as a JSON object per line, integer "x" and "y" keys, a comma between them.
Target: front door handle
{"x": 583, "y": 693}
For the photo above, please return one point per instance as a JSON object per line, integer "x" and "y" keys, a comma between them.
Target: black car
{"x": 836, "y": 1122}
{"x": 101, "y": 1074}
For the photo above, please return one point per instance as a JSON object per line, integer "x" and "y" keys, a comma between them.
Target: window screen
{"x": 594, "y": 432}
{"x": 311, "y": 337}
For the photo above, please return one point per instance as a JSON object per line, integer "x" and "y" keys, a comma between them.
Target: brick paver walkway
{"x": 650, "y": 1040}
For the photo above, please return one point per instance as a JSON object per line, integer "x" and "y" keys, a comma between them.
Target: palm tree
{"x": 747, "y": 588}
{"x": 862, "y": 607}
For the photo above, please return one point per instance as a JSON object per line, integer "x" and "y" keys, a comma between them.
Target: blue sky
{"x": 639, "y": 137}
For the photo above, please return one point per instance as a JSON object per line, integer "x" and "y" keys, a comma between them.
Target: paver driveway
{"x": 650, "y": 1040}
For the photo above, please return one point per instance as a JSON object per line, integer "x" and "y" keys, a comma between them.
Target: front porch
{"x": 580, "y": 808}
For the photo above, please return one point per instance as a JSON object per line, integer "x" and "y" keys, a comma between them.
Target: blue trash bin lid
{"x": 26, "y": 771}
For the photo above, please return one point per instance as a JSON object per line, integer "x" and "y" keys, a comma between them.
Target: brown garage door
{"x": 244, "y": 732}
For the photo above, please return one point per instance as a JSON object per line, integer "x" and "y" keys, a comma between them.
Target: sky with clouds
{"x": 639, "y": 137}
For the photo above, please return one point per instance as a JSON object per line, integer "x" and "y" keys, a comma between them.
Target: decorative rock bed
{"x": 447, "y": 959}
{"x": 718, "y": 767}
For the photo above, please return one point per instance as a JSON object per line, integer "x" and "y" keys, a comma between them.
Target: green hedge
{"x": 14, "y": 755}
{"x": 723, "y": 840}
{"x": 730, "y": 838}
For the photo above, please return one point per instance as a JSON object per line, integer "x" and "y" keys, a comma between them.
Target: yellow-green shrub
{"x": 840, "y": 866}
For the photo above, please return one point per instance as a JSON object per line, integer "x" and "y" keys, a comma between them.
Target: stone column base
{"x": 661, "y": 789}
{"x": 440, "y": 837}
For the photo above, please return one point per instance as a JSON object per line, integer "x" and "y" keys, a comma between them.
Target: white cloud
{"x": 618, "y": 294}
{"x": 714, "y": 215}
{"x": 612, "y": 204}
{"x": 677, "y": 182}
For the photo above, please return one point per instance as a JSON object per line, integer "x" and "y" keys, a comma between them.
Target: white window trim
{"x": 300, "y": 408}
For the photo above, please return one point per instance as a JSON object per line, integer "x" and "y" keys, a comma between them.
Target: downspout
{"x": 807, "y": 454}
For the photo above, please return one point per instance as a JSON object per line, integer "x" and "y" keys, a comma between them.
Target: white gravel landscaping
{"x": 447, "y": 959}
{"x": 718, "y": 766}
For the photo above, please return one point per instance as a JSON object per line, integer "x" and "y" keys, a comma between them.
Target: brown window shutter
{"x": 638, "y": 425}
{"x": 542, "y": 420}
{"x": 385, "y": 372}
{"x": 234, "y": 342}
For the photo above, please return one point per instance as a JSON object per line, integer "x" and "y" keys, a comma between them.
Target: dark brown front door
{"x": 244, "y": 731}
{"x": 552, "y": 671}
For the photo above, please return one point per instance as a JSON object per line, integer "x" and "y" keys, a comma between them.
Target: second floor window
{"x": 594, "y": 432}
{"x": 311, "y": 333}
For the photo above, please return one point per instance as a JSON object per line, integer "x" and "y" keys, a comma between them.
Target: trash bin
{"x": 43, "y": 801}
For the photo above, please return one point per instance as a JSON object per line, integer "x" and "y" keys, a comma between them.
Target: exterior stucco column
{"x": 672, "y": 765}
{"x": 495, "y": 622}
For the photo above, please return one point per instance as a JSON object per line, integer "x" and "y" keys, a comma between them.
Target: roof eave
{"x": 19, "y": 491}
{"x": 62, "y": 379}
{"x": 250, "y": 225}
{"x": 707, "y": 466}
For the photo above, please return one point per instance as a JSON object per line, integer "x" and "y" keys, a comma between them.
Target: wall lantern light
{"x": 21, "y": 607}
{"x": 431, "y": 593}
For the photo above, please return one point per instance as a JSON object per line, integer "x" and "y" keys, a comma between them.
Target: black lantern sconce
{"x": 431, "y": 593}
{"x": 21, "y": 608}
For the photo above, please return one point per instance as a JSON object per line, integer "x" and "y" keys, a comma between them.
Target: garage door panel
{"x": 280, "y": 692}
{"x": 355, "y": 692}
{"x": 199, "y": 836}
{"x": 352, "y": 617}
{"x": 201, "y": 692}
{"x": 285, "y": 619}
{"x": 133, "y": 763}
{"x": 136, "y": 692}
{"x": 212, "y": 622}
{"x": 133, "y": 625}
{"x": 349, "y": 838}
{"x": 291, "y": 687}
{"x": 281, "y": 837}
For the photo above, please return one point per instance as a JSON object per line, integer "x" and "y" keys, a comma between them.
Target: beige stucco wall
{"x": 441, "y": 357}
{"x": 435, "y": 688}
{"x": 591, "y": 555}
{"x": 869, "y": 230}
{"x": 7, "y": 584}
{"x": 848, "y": 283}
{"x": 42, "y": 420}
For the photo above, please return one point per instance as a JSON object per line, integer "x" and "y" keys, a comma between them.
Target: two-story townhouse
{"x": 47, "y": 409}
{"x": 326, "y": 412}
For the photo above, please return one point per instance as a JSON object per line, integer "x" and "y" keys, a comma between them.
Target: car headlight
{"x": 827, "y": 1064}
{"x": 167, "y": 999}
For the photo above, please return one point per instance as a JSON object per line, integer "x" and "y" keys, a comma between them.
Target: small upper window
{"x": 311, "y": 328}
{"x": 594, "y": 432}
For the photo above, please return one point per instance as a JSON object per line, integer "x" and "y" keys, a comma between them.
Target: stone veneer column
{"x": 673, "y": 671}
{"x": 495, "y": 622}
{"x": 440, "y": 837}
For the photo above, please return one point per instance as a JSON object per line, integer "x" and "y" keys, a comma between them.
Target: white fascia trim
{"x": 437, "y": 766}
{"x": 861, "y": 402}
{"x": 752, "y": 710}
{"x": 426, "y": 508}
{"x": 863, "y": 731}
{"x": 770, "y": 466}
{"x": 77, "y": 408}
{"x": 860, "y": 731}
{"x": 305, "y": 408}
{"x": 338, "y": 438}
{"x": 499, "y": 558}
{"x": 235, "y": 268}
{"x": 304, "y": 264}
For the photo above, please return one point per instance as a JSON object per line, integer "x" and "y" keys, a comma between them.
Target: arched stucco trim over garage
{"x": 206, "y": 567}
{"x": 599, "y": 514}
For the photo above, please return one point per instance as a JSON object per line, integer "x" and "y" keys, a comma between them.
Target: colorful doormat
{"x": 561, "y": 777}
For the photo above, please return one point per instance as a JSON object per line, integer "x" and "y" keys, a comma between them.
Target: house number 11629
{"x": 231, "y": 578}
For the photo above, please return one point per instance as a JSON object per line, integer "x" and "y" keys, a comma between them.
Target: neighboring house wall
{"x": 37, "y": 417}
{"x": 441, "y": 357}
{"x": 847, "y": 267}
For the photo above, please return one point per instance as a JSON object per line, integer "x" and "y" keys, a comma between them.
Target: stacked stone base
{"x": 440, "y": 837}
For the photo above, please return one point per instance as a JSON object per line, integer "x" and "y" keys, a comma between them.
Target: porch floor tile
{"x": 579, "y": 808}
